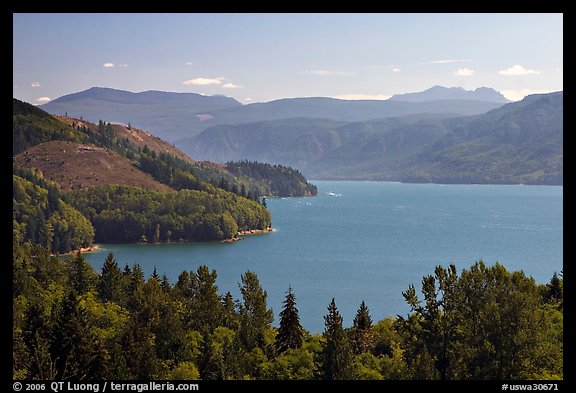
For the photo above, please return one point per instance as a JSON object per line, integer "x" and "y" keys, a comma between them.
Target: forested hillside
{"x": 77, "y": 182}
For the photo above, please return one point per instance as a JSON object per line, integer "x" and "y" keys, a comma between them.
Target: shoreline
{"x": 82, "y": 250}
{"x": 247, "y": 233}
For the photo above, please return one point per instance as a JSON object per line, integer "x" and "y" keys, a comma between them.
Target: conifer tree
{"x": 255, "y": 317}
{"x": 362, "y": 338}
{"x": 81, "y": 275}
{"x": 290, "y": 333}
{"x": 73, "y": 348}
{"x": 336, "y": 353}
{"x": 110, "y": 286}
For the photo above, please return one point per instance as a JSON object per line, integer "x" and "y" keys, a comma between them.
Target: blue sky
{"x": 262, "y": 57}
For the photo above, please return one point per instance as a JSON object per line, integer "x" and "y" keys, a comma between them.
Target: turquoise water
{"x": 369, "y": 240}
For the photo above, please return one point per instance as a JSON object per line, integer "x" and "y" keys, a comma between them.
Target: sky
{"x": 263, "y": 57}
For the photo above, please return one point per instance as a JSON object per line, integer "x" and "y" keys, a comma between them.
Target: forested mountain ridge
{"x": 520, "y": 142}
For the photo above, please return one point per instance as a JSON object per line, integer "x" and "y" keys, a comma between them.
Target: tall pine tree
{"x": 255, "y": 317}
{"x": 110, "y": 285}
{"x": 290, "y": 334}
{"x": 336, "y": 353}
{"x": 362, "y": 338}
{"x": 82, "y": 275}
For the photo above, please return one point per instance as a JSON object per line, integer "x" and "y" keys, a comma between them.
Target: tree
{"x": 136, "y": 278}
{"x": 73, "y": 348}
{"x": 290, "y": 333}
{"x": 554, "y": 291}
{"x": 362, "y": 338}
{"x": 486, "y": 323}
{"x": 229, "y": 316}
{"x": 438, "y": 318}
{"x": 82, "y": 275}
{"x": 507, "y": 331}
{"x": 155, "y": 275}
{"x": 110, "y": 285}
{"x": 336, "y": 355}
{"x": 206, "y": 306}
{"x": 255, "y": 317}
{"x": 36, "y": 337}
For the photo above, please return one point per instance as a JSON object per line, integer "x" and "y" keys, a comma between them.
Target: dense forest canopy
{"x": 481, "y": 323}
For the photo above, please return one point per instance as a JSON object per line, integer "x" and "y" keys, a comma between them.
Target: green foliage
{"x": 184, "y": 371}
{"x": 111, "y": 283}
{"x": 132, "y": 214}
{"x": 255, "y": 317}
{"x": 82, "y": 276}
{"x": 277, "y": 180}
{"x": 336, "y": 356}
{"x": 32, "y": 126}
{"x": 290, "y": 333}
{"x": 40, "y": 215}
{"x": 361, "y": 334}
{"x": 484, "y": 323}
{"x": 198, "y": 212}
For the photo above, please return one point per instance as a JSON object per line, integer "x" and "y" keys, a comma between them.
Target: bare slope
{"x": 75, "y": 166}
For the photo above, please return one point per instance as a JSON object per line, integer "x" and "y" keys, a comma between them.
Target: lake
{"x": 369, "y": 240}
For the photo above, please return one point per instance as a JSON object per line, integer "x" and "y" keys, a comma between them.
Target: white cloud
{"x": 123, "y": 65}
{"x": 362, "y": 97}
{"x": 108, "y": 65}
{"x": 464, "y": 72}
{"x": 517, "y": 95}
{"x": 517, "y": 70}
{"x": 35, "y": 84}
{"x": 43, "y": 100}
{"x": 203, "y": 81}
{"x": 189, "y": 63}
{"x": 447, "y": 61}
{"x": 329, "y": 73}
{"x": 248, "y": 99}
{"x": 395, "y": 69}
{"x": 231, "y": 85}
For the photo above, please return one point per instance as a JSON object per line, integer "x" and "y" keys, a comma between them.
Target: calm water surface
{"x": 369, "y": 240}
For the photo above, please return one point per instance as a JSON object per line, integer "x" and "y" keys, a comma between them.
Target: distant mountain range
{"x": 169, "y": 115}
{"x": 520, "y": 142}
{"x": 181, "y": 116}
{"x": 452, "y": 93}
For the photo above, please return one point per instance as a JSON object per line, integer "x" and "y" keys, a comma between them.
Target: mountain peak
{"x": 437, "y": 93}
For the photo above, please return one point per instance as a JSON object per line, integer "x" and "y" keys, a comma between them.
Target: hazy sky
{"x": 262, "y": 57}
